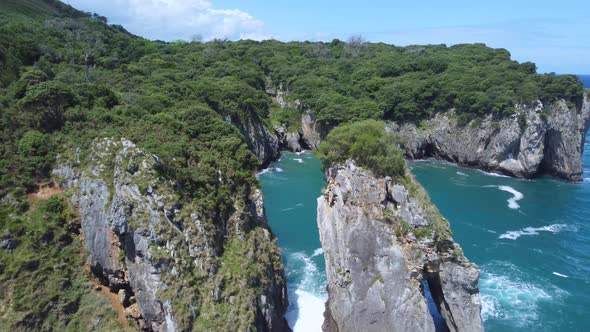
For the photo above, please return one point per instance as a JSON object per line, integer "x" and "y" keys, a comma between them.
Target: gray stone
{"x": 291, "y": 141}
{"x": 134, "y": 228}
{"x": 261, "y": 141}
{"x": 374, "y": 274}
{"x": 536, "y": 140}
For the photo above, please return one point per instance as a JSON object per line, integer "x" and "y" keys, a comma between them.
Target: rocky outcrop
{"x": 384, "y": 242}
{"x": 261, "y": 141}
{"x": 291, "y": 141}
{"x": 164, "y": 255}
{"x": 536, "y": 140}
{"x": 313, "y": 133}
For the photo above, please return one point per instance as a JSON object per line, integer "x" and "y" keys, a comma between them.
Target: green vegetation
{"x": 42, "y": 277}
{"x": 377, "y": 278}
{"x": 68, "y": 78}
{"x": 367, "y": 143}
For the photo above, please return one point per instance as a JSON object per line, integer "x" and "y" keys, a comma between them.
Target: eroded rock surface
{"x": 536, "y": 140}
{"x": 381, "y": 239}
{"x": 172, "y": 264}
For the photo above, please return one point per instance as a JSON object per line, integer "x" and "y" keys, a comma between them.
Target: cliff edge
{"x": 175, "y": 265}
{"x": 385, "y": 245}
{"x": 535, "y": 140}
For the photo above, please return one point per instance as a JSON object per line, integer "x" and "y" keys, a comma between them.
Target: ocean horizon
{"x": 585, "y": 79}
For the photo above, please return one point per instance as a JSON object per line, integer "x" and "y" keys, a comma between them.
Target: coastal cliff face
{"x": 174, "y": 265}
{"x": 263, "y": 142}
{"x": 536, "y": 140}
{"x": 384, "y": 242}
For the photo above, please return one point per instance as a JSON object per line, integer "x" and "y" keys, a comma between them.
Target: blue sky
{"x": 553, "y": 34}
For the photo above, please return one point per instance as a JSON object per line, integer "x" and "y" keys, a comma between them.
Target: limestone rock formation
{"x": 292, "y": 141}
{"x": 313, "y": 133}
{"x": 145, "y": 238}
{"x": 384, "y": 242}
{"x": 536, "y": 140}
{"x": 262, "y": 141}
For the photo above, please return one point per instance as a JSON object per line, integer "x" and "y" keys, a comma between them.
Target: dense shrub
{"x": 368, "y": 144}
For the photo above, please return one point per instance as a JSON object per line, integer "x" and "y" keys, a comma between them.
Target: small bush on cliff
{"x": 367, "y": 143}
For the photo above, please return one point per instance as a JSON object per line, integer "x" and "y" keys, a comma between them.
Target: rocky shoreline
{"x": 537, "y": 140}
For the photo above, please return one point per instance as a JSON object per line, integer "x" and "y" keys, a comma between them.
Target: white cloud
{"x": 177, "y": 19}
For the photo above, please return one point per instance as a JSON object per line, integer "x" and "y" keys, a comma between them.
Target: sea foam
{"x": 493, "y": 174}
{"x": 506, "y": 294}
{"x": 317, "y": 252}
{"x": 306, "y": 311}
{"x": 513, "y": 235}
{"x": 462, "y": 174}
{"x": 560, "y": 275}
{"x": 299, "y": 160}
{"x": 516, "y": 195}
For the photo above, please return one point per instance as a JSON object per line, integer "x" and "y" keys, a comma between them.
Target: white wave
{"x": 507, "y": 295}
{"x": 309, "y": 314}
{"x": 586, "y": 179}
{"x": 306, "y": 313}
{"x": 317, "y": 252}
{"x": 490, "y": 307}
{"x": 462, "y": 174}
{"x": 299, "y": 204}
{"x": 513, "y": 235}
{"x": 287, "y": 209}
{"x": 299, "y": 160}
{"x": 516, "y": 195}
{"x": 264, "y": 171}
{"x": 301, "y": 152}
{"x": 560, "y": 275}
{"x": 269, "y": 170}
{"x": 493, "y": 174}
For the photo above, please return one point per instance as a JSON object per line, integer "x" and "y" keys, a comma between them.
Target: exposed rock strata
{"x": 263, "y": 142}
{"x": 381, "y": 239}
{"x": 536, "y": 140}
{"x": 147, "y": 244}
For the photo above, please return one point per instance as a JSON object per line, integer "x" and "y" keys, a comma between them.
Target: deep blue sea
{"x": 586, "y": 80}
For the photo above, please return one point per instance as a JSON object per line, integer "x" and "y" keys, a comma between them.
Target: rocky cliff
{"x": 263, "y": 142}
{"x": 175, "y": 264}
{"x": 384, "y": 242}
{"x": 536, "y": 140}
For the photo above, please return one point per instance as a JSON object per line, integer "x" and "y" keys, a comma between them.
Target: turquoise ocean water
{"x": 291, "y": 187}
{"x": 531, "y": 240}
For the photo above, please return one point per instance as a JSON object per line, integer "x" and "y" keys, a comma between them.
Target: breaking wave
{"x": 493, "y": 174}
{"x": 306, "y": 310}
{"x": 516, "y": 195}
{"x": 560, "y": 275}
{"x": 507, "y": 295}
{"x": 555, "y": 228}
